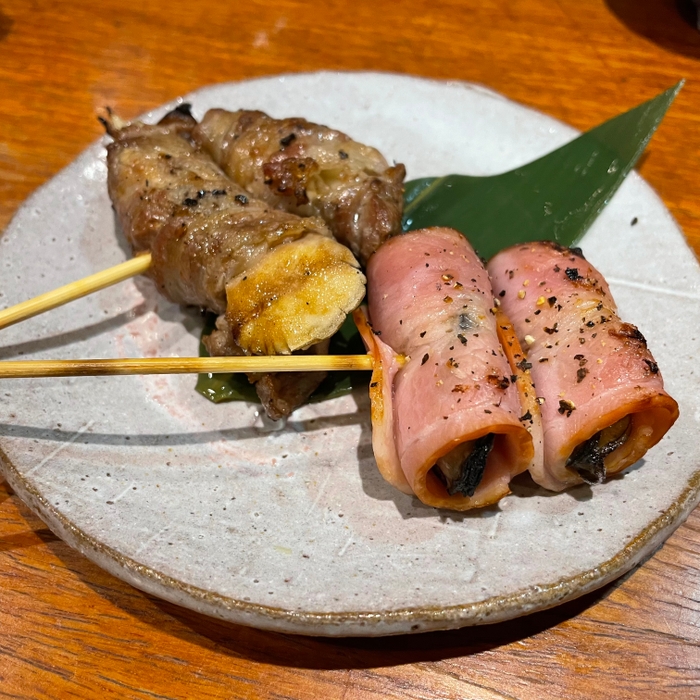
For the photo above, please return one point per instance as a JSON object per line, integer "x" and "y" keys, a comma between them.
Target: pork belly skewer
{"x": 602, "y": 396}
{"x": 280, "y": 283}
{"x": 310, "y": 170}
{"x": 448, "y": 425}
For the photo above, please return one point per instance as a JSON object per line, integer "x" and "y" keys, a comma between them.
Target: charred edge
{"x": 652, "y": 366}
{"x": 181, "y": 115}
{"x": 628, "y": 332}
{"x": 563, "y": 249}
{"x": 185, "y": 109}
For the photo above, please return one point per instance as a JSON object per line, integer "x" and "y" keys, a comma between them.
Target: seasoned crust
{"x": 309, "y": 169}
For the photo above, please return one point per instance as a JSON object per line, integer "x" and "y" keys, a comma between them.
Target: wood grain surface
{"x": 70, "y": 630}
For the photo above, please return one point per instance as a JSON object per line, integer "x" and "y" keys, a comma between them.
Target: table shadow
{"x": 671, "y": 24}
{"x": 307, "y": 652}
{"x": 327, "y": 653}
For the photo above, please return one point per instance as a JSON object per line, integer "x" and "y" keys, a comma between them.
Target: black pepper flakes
{"x": 552, "y": 301}
{"x": 524, "y": 365}
{"x": 287, "y": 140}
{"x": 241, "y": 199}
{"x": 426, "y": 357}
{"x": 462, "y": 339}
{"x": 581, "y": 374}
{"x": 552, "y": 330}
{"x": 343, "y": 155}
{"x": 567, "y": 407}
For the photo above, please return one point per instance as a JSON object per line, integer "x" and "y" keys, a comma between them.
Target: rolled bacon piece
{"x": 280, "y": 282}
{"x": 601, "y": 393}
{"x": 310, "y": 170}
{"x": 447, "y": 423}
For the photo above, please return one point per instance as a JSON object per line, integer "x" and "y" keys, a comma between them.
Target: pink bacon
{"x": 430, "y": 300}
{"x": 601, "y": 393}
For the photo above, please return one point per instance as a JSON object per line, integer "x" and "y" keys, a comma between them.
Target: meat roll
{"x": 309, "y": 170}
{"x": 447, "y": 424}
{"x": 601, "y": 393}
{"x": 280, "y": 282}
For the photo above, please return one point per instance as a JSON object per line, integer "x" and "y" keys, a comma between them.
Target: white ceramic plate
{"x": 294, "y": 529}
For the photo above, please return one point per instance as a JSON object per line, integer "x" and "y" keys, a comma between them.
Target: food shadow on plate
{"x": 61, "y": 340}
{"x": 523, "y": 486}
{"x": 376, "y": 488}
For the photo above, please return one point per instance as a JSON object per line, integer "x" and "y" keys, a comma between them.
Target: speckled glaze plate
{"x": 293, "y": 529}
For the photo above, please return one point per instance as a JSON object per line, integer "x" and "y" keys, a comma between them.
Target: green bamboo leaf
{"x": 556, "y": 197}
{"x": 222, "y": 387}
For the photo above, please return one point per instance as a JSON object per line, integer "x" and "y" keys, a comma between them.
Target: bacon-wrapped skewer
{"x": 280, "y": 282}
{"x": 602, "y": 396}
{"x": 309, "y": 170}
{"x": 447, "y": 425}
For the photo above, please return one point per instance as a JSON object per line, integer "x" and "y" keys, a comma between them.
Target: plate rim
{"x": 361, "y": 622}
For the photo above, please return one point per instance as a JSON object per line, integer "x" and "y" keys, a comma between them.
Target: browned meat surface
{"x": 201, "y": 228}
{"x": 281, "y": 282}
{"x": 310, "y": 170}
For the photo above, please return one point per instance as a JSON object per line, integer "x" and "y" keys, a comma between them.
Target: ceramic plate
{"x": 293, "y": 529}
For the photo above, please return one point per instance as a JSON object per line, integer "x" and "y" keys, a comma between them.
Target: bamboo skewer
{"x": 75, "y": 290}
{"x": 17, "y": 369}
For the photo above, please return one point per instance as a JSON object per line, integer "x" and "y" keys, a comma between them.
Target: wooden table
{"x": 67, "y": 629}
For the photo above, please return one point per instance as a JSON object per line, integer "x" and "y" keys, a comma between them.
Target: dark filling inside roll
{"x": 588, "y": 459}
{"x": 462, "y": 469}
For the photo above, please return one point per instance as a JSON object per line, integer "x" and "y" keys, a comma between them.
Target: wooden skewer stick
{"x": 183, "y": 365}
{"x": 75, "y": 290}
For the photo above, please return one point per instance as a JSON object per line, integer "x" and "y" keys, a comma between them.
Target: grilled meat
{"x": 602, "y": 397}
{"x": 309, "y": 170}
{"x": 448, "y": 424}
{"x": 282, "y": 282}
